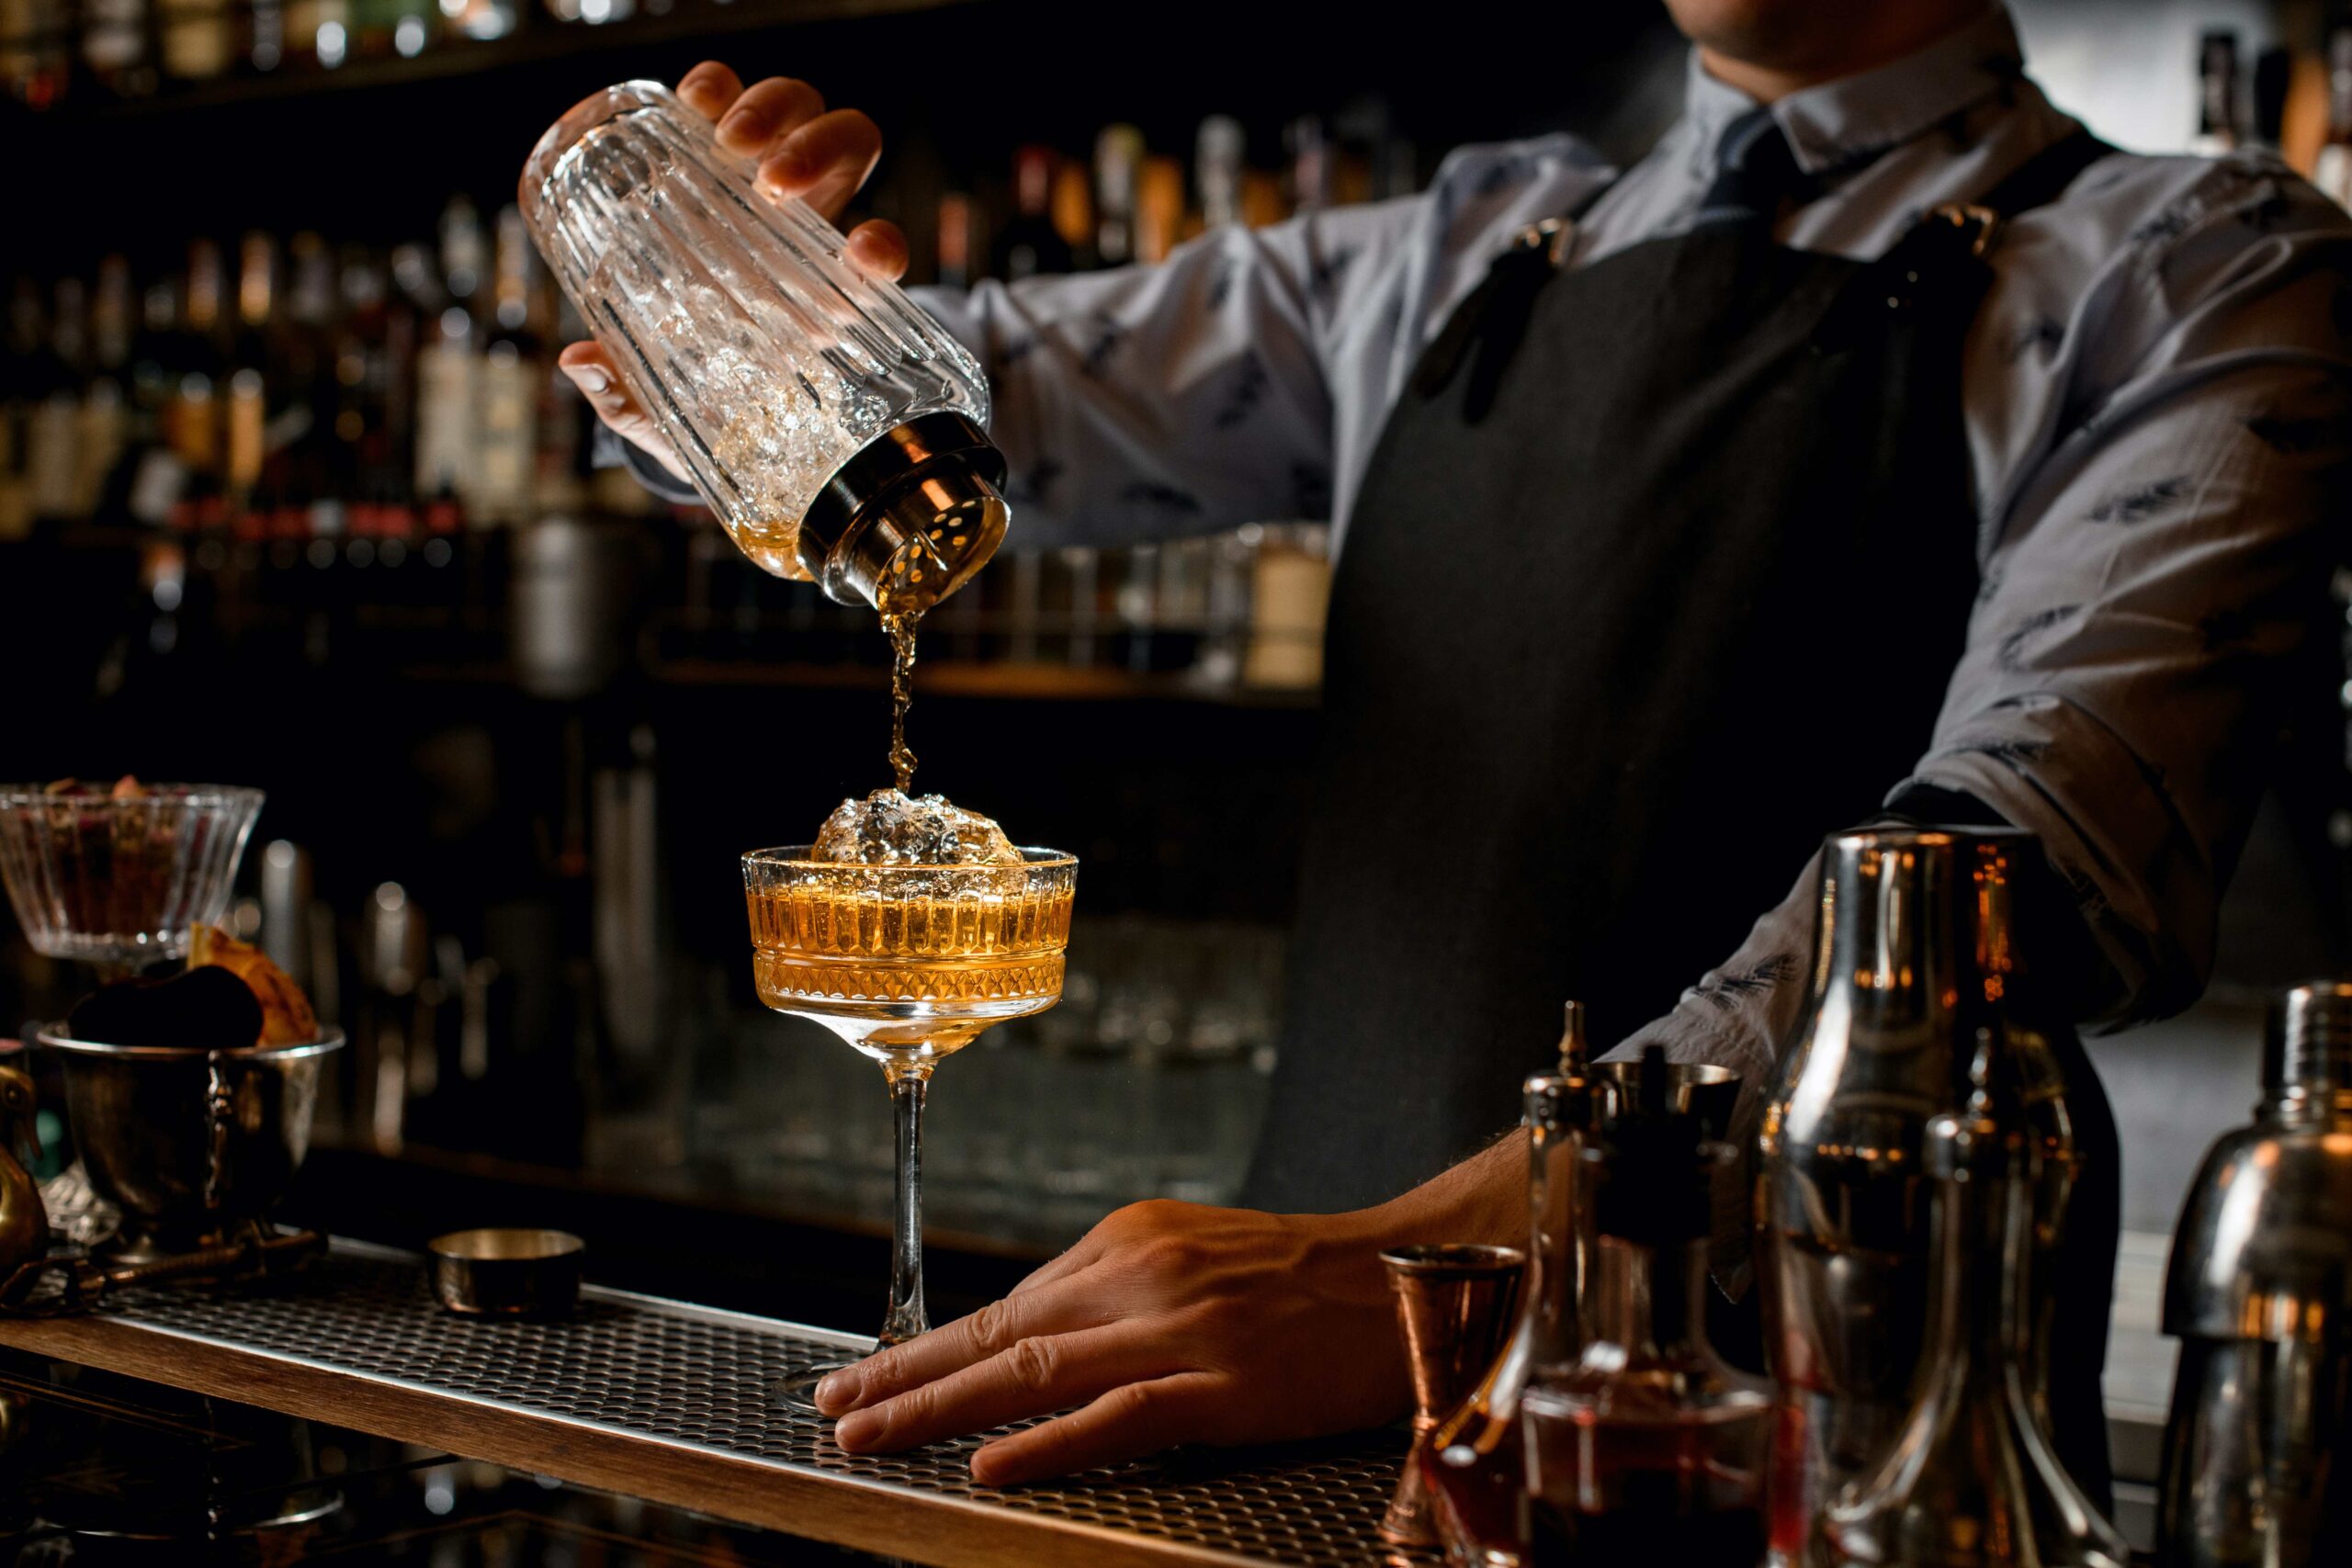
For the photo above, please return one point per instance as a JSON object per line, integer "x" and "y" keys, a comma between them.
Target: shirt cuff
{"x": 608, "y": 450}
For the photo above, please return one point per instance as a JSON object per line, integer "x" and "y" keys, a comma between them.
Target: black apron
{"x": 1658, "y": 571}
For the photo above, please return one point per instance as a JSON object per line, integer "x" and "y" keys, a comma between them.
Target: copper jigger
{"x": 1454, "y": 1303}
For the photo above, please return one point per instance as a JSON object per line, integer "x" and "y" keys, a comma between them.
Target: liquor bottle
{"x": 114, "y": 47}
{"x": 506, "y": 455}
{"x": 197, "y": 40}
{"x": 2333, "y": 173}
{"x": 1118, "y": 163}
{"x": 446, "y": 365}
{"x": 1310, "y": 165}
{"x": 105, "y": 417}
{"x": 249, "y": 394}
{"x": 1217, "y": 154}
{"x": 2257, "y": 1469}
{"x": 955, "y": 221}
{"x": 2218, "y": 129}
{"x": 192, "y": 421}
{"x": 20, "y": 394}
{"x": 1649, "y": 1442}
{"x": 149, "y": 482}
{"x": 307, "y": 370}
{"x": 318, "y": 32}
{"x": 54, "y": 432}
{"x": 1031, "y": 245}
{"x": 266, "y": 34}
{"x": 35, "y": 57}
{"x": 1974, "y": 1479}
{"x": 1073, "y": 212}
{"x": 1159, "y": 208}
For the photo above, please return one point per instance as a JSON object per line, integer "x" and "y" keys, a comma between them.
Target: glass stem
{"x": 906, "y": 1317}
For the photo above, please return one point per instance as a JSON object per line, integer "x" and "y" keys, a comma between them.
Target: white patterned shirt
{"x": 2155, "y": 393}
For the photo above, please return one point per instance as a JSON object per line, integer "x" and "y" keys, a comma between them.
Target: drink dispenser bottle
{"x": 832, "y": 427}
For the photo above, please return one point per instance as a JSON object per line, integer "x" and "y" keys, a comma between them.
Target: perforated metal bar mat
{"x": 679, "y": 1383}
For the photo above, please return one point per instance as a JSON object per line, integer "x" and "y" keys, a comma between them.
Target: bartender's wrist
{"x": 1483, "y": 1199}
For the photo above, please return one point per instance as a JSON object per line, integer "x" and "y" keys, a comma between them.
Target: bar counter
{"x": 122, "y": 1417}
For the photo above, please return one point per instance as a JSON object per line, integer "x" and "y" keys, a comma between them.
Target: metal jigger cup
{"x": 1454, "y": 1303}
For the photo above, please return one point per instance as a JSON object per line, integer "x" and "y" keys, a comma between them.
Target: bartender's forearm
{"x": 1482, "y": 1200}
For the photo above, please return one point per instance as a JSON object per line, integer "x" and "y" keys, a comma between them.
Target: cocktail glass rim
{"x": 86, "y": 794}
{"x": 795, "y": 857}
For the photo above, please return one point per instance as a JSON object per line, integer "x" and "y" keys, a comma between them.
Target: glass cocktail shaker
{"x": 834, "y": 429}
{"x": 2258, "y": 1451}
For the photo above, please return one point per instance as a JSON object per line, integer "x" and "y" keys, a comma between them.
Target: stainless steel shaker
{"x": 1921, "y": 942}
{"x": 2258, "y": 1449}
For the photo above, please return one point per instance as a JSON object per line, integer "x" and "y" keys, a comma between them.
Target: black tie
{"x": 1755, "y": 172}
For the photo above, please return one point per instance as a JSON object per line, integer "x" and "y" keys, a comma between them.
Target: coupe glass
{"x": 909, "y": 964}
{"x": 118, "y": 880}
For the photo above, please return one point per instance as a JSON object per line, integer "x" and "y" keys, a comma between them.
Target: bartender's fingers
{"x": 1083, "y": 1252}
{"x": 1132, "y": 1419}
{"x": 710, "y": 89}
{"x": 591, "y": 369}
{"x": 822, "y": 160}
{"x": 991, "y": 1331}
{"x": 1047, "y": 1372}
{"x": 879, "y": 250}
{"x": 767, "y": 113}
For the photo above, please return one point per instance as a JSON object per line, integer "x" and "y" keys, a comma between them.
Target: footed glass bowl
{"x": 118, "y": 881}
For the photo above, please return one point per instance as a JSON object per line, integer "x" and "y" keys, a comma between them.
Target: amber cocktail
{"x": 908, "y": 963}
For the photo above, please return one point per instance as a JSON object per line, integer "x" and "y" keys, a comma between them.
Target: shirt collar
{"x": 1845, "y": 121}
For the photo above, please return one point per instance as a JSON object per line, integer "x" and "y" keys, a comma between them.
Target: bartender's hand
{"x": 1169, "y": 1322}
{"x": 820, "y": 155}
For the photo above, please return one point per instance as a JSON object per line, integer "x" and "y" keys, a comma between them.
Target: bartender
{"x": 1879, "y": 442}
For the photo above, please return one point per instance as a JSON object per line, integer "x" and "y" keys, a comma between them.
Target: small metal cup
{"x": 507, "y": 1273}
{"x": 1710, "y": 1093}
{"x": 1454, "y": 1305}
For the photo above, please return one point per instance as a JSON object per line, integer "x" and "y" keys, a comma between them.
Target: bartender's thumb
{"x": 591, "y": 369}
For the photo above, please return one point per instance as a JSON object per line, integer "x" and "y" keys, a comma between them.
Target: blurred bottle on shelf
{"x": 36, "y": 56}
{"x": 197, "y": 38}
{"x": 448, "y": 364}
{"x": 505, "y": 463}
{"x": 1159, "y": 208}
{"x": 1310, "y": 163}
{"x": 1219, "y": 151}
{"x": 2332, "y": 171}
{"x": 1118, "y": 166}
{"x": 1031, "y": 244}
{"x": 956, "y": 220}
{"x": 1290, "y": 594}
{"x": 115, "y": 46}
{"x": 2219, "y": 123}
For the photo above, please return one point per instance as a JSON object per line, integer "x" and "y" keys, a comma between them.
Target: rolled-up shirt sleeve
{"x": 2155, "y": 576}
{"x": 1180, "y": 398}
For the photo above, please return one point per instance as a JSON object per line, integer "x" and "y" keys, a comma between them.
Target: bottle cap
{"x": 913, "y": 515}
{"x": 2309, "y": 1048}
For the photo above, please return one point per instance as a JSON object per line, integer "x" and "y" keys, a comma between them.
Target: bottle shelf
{"x": 538, "y": 40}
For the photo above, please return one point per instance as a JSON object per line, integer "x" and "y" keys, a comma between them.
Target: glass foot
{"x": 797, "y": 1394}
